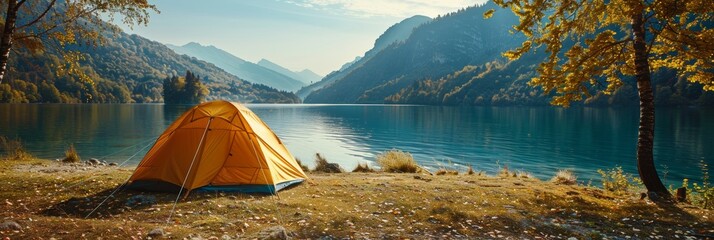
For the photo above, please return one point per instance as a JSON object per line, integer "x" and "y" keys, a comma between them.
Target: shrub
{"x": 304, "y": 168}
{"x": 616, "y": 180}
{"x": 321, "y": 165}
{"x": 397, "y": 161}
{"x": 71, "y": 155}
{"x": 363, "y": 167}
{"x": 565, "y": 177}
{"x": 701, "y": 194}
{"x": 13, "y": 149}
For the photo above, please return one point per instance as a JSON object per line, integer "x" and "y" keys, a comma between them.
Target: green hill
{"x": 126, "y": 69}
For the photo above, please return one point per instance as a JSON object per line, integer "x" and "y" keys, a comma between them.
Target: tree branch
{"x": 41, "y": 15}
{"x": 19, "y": 4}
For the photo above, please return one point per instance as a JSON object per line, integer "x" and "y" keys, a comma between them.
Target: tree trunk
{"x": 645, "y": 138}
{"x": 6, "y": 41}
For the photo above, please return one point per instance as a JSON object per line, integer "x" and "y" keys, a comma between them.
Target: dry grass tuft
{"x": 13, "y": 149}
{"x": 565, "y": 177}
{"x": 321, "y": 165}
{"x": 71, "y": 155}
{"x": 523, "y": 174}
{"x": 505, "y": 172}
{"x": 396, "y": 161}
{"x": 303, "y": 166}
{"x": 470, "y": 171}
{"x": 363, "y": 167}
{"x": 443, "y": 171}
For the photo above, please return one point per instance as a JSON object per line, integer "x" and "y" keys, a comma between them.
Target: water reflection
{"x": 539, "y": 140}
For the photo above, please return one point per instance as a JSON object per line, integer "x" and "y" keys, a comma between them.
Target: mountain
{"x": 434, "y": 49}
{"x": 244, "y": 69}
{"x": 126, "y": 68}
{"x": 306, "y": 76}
{"x": 393, "y": 35}
{"x": 456, "y": 60}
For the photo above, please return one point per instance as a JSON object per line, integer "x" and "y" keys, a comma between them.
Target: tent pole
{"x": 198, "y": 149}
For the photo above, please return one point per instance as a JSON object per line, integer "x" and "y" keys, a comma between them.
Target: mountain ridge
{"x": 394, "y": 34}
{"x": 305, "y": 76}
{"x": 456, "y": 60}
{"x": 237, "y": 66}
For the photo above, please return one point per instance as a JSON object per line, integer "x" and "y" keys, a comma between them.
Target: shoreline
{"x": 51, "y": 199}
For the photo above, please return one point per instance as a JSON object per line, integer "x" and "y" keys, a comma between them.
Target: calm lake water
{"x": 539, "y": 140}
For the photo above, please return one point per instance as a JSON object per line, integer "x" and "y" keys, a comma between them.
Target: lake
{"x": 539, "y": 140}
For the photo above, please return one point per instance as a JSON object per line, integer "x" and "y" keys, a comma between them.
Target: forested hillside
{"x": 127, "y": 68}
{"x": 498, "y": 83}
{"x": 394, "y": 34}
{"x": 456, "y": 60}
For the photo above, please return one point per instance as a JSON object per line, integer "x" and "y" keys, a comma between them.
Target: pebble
{"x": 157, "y": 232}
{"x": 10, "y": 225}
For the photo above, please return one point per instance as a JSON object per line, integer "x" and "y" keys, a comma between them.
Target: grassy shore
{"x": 51, "y": 200}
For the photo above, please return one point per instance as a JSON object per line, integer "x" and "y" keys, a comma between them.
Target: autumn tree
{"x": 184, "y": 90}
{"x": 593, "y": 44}
{"x": 39, "y": 24}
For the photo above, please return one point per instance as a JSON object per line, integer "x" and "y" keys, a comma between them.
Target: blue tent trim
{"x": 251, "y": 188}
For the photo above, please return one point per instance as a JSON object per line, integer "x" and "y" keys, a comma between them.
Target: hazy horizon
{"x": 319, "y": 35}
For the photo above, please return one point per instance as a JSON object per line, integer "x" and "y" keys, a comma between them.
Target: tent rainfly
{"x": 220, "y": 146}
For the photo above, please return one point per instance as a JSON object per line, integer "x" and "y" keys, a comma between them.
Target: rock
{"x": 10, "y": 225}
{"x": 226, "y": 237}
{"x": 112, "y": 164}
{"x": 272, "y": 233}
{"x": 157, "y": 232}
{"x": 93, "y": 161}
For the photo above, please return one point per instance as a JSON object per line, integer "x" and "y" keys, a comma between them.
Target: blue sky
{"x": 320, "y": 35}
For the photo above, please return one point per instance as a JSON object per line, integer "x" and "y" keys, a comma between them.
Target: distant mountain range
{"x": 127, "y": 68}
{"x": 393, "y": 35}
{"x": 265, "y": 72}
{"x": 456, "y": 60}
{"x": 305, "y": 76}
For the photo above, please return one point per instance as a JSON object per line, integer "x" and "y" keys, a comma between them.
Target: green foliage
{"x": 184, "y": 90}
{"x": 497, "y": 84}
{"x": 13, "y": 149}
{"x": 397, "y": 161}
{"x": 71, "y": 155}
{"x": 124, "y": 69}
{"x": 617, "y": 181}
{"x": 701, "y": 194}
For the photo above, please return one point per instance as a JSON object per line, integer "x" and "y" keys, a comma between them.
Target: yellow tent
{"x": 217, "y": 145}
